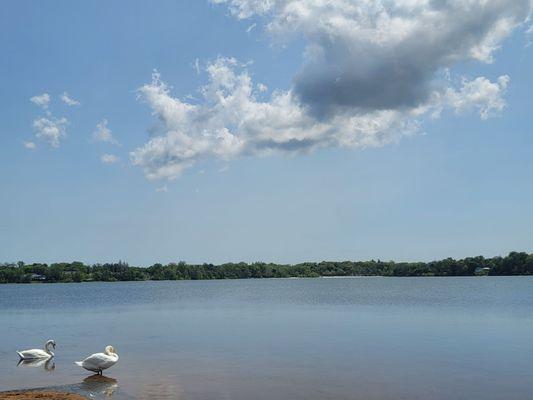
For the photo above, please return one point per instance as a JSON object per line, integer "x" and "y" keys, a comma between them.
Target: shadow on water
{"x": 48, "y": 364}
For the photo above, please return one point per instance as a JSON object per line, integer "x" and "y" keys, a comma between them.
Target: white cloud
{"x": 68, "y": 100}
{"x": 261, "y": 87}
{"x": 103, "y": 133}
{"x": 109, "y": 158}
{"x": 480, "y": 94}
{"x": 42, "y": 100}
{"x": 51, "y": 130}
{"x": 30, "y": 145}
{"x": 373, "y": 70}
{"x": 247, "y": 8}
{"x": 230, "y": 121}
{"x": 196, "y": 66}
{"x": 162, "y": 189}
{"x": 251, "y": 28}
{"x": 382, "y": 54}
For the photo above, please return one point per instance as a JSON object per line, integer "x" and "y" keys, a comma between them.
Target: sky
{"x": 265, "y": 130}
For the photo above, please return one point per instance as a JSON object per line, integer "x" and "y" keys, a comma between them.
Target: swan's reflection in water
{"x": 47, "y": 363}
{"x": 98, "y": 386}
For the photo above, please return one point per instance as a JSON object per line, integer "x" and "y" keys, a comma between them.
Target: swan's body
{"x": 99, "y": 361}
{"x": 35, "y": 354}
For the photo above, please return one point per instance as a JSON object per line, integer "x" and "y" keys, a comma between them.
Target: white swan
{"x": 99, "y": 361}
{"x": 38, "y": 353}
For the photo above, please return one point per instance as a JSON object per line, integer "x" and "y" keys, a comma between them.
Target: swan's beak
{"x": 54, "y": 345}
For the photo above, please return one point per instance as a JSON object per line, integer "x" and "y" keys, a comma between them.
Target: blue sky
{"x": 290, "y": 171}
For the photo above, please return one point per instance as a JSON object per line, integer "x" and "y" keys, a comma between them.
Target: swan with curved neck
{"x": 34, "y": 354}
{"x": 98, "y": 362}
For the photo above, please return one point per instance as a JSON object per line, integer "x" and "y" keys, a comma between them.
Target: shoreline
{"x": 514, "y": 264}
{"x": 271, "y": 279}
{"x": 40, "y": 394}
{"x": 92, "y": 387}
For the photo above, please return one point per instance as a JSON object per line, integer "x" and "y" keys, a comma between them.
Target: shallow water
{"x": 353, "y": 338}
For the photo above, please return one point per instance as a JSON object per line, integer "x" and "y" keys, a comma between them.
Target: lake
{"x": 351, "y": 338}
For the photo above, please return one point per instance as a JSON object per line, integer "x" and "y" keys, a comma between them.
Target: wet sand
{"x": 40, "y": 395}
{"x": 93, "y": 387}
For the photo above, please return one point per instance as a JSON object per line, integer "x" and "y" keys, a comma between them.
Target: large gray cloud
{"x": 347, "y": 71}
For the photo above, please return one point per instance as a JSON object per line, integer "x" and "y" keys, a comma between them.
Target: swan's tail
{"x": 20, "y": 355}
{"x": 79, "y": 363}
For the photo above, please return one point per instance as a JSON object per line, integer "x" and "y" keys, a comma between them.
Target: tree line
{"x": 516, "y": 263}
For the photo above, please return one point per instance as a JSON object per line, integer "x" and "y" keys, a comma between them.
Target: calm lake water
{"x": 353, "y": 338}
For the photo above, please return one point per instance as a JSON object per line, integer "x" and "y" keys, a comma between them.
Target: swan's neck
{"x": 110, "y": 353}
{"x": 47, "y": 348}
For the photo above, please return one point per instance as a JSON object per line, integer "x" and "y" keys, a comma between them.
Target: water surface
{"x": 353, "y": 338}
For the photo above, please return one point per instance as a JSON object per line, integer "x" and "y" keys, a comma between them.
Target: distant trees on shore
{"x": 516, "y": 263}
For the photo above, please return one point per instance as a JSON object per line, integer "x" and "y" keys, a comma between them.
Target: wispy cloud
{"x": 51, "y": 130}
{"x": 251, "y": 28}
{"x": 103, "y": 134}
{"x": 529, "y": 35}
{"x": 162, "y": 189}
{"x": 30, "y": 145}
{"x": 109, "y": 159}
{"x": 47, "y": 127}
{"x": 479, "y": 94}
{"x": 65, "y": 98}
{"x": 196, "y": 66}
{"x": 42, "y": 100}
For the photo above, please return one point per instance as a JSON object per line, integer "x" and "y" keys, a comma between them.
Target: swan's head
{"x": 110, "y": 350}
{"x": 51, "y": 343}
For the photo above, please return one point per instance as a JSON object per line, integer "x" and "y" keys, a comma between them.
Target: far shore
{"x": 515, "y": 263}
{"x": 281, "y": 278}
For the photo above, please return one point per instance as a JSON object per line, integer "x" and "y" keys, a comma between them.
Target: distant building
{"x": 37, "y": 277}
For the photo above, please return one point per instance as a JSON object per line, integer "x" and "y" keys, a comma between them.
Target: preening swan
{"x": 38, "y": 353}
{"x": 99, "y": 361}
